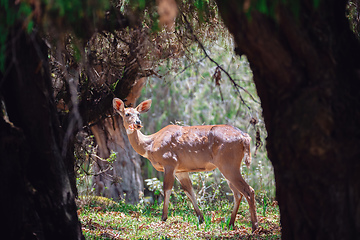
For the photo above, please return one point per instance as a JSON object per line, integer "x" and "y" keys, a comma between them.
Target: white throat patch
{"x": 129, "y": 131}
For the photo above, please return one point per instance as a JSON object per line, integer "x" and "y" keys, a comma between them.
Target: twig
{"x": 186, "y": 67}
{"x": 237, "y": 86}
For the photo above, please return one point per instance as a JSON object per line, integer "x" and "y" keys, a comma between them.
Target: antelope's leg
{"x": 237, "y": 200}
{"x": 235, "y": 178}
{"x": 186, "y": 185}
{"x": 168, "y": 184}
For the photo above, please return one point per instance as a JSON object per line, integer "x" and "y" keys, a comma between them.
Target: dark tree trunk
{"x": 37, "y": 200}
{"x": 306, "y": 70}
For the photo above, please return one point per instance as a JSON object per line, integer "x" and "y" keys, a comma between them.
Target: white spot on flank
{"x": 167, "y": 155}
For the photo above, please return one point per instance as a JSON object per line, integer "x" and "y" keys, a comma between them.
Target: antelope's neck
{"x": 140, "y": 142}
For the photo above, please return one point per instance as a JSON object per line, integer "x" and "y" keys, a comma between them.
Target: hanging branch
{"x": 236, "y": 86}
{"x": 217, "y": 78}
{"x": 258, "y": 141}
{"x": 190, "y": 65}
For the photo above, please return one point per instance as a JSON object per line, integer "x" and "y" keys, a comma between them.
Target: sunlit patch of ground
{"x": 122, "y": 221}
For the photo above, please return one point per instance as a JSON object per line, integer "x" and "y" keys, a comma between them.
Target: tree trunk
{"x": 306, "y": 73}
{"x": 39, "y": 203}
{"x": 123, "y": 179}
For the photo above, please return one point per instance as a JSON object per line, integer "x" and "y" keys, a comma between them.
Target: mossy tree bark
{"x": 121, "y": 179}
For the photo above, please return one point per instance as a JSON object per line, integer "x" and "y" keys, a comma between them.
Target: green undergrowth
{"x": 102, "y": 218}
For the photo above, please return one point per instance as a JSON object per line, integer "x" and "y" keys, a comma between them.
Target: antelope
{"x": 177, "y": 150}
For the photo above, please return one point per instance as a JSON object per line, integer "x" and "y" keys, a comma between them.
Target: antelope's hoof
{"x": 254, "y": 227}
{"x": 201, "y": 219}
{"x": 231, "y": 225}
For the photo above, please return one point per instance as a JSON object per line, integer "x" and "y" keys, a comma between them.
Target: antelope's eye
{"x": 127, "y": 114}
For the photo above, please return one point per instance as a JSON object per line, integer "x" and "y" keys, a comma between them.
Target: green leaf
{"x": 3, "y": 36}
{"x": 10, "y": 18}
{"x": 262, "y": 7}
{"x": 5, "y": 4}
{"x": 155, "y": 26}
{"x": 25, "y": 9}
{"x": 30, "y": 26}
{"x": 142, "y": 4}
{"x": 200, "y": 5}
{"x": 316, "y": 3}
{"x": 295, "y": 8}
{"x": 113, "y": 86}
{"x": 77, "y": 53}
{"x": 2, "y": 61}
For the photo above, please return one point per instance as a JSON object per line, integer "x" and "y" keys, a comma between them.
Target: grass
{"x": 103, "y": 218}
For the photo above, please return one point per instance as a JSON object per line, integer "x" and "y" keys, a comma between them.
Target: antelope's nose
{"x": 138, "y": 122}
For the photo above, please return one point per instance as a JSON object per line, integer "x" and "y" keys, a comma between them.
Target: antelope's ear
{"x": 144, "y": 106}
{"x": 118, "y": 105}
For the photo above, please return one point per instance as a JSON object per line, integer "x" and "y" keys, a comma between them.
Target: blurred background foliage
{"x": 181, "y": 65}
{"x": 187, "y": 94}
{"x": 96, "y": 46}
{"x": 182, "y": 82}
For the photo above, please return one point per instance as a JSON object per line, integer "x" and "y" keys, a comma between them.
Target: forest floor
{"x": 102, "y": 218}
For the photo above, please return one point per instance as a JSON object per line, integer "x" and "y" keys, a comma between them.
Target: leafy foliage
{"x": 88, "y": 69}
{"x": 190, "y": 96}
{"x": 9, "y": 14}
{"x": 353, "y": 14}
{"x": 182, "y": 86}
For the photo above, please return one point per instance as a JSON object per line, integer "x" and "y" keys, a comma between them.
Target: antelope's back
{"x": 198, "y": 136}
{"x": 194, "y": 147}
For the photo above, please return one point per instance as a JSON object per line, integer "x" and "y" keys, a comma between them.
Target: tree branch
{"x": 236, "y": 85}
